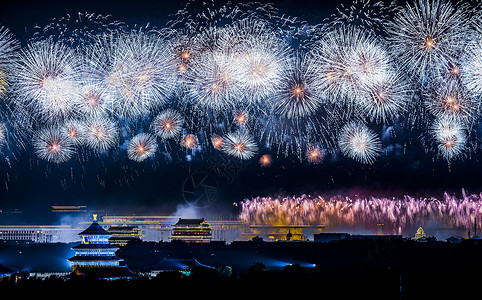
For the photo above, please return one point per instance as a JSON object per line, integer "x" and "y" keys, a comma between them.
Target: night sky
{"x": 116, "y": 185}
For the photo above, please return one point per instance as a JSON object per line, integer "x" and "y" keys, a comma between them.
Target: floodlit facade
{"x": 192, "y": 231}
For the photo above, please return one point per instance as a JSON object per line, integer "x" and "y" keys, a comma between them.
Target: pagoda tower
{"x": 95, "y": 257}
{"x": 420, "y": 233}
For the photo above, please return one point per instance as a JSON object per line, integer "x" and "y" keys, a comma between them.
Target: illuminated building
{"x": 121, "y": 235}
{"x": 38, "y": 233}
{"x": 151, "y": 228}
{"x": 420, "y": 233}
{"x": 283, "y": 232}
{"x": 95, "y": 257}
{"x": 192, "y": 231}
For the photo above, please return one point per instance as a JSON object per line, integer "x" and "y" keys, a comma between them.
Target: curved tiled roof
{"x": 95, "y": 229}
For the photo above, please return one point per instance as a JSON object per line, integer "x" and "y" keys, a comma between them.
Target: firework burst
{"x": 8, "y": 47}
{"x": 265, "y": 160}
{"x": 350, "y": 60}
{"x": 167, "y": 124}
{"x": 450, "y": 137}
{"x": 427, "y": 35}
{"x": 47, "y": 77}
{"x": 298, "y": 94}
{"x": 141, "y": 147}
{"x": 189, "y": 141}
{"x": 53, "y": 145}
{"x": 101, "y": 134}
{"x": 240, "y": 144}
{"x": 314, "y": 154}
{"x": 358, "y": 142}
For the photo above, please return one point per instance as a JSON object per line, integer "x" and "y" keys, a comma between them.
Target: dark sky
{"x": 119, "y": 186}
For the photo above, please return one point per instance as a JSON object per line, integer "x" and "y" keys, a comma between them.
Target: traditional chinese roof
{"x": 191, "y": 222}
{"x": 95, "y": 229}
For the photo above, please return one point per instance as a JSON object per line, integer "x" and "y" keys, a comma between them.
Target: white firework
{"x": 427, "y": 35}
{"x": 167, "y": 124}
{"x": 95, "y": 100}
{"x": 350, "y": 59}
{"x": 450, "y": 137}
{"x": 240, "y": 144}
{"x": 137, "y": 69}
{"x": 385, "y": 99}
{"x": 47, "y": 80}
{"x": 101, "y": 134}
{"x": 451, "y": 99}
{"x": 3, "y": 134}
{"x": 53, "y": 145}
{"x": 298, "y": 94}
{"x": 213, "y": 82}
{"x": 141, "y": 147}
{"x": 8, "y": 48}
{"x": 260, "y": 57}
{"x": 360, "y": 143}
{"x": 471, "y": 67}
{"x": 75, "y": 131}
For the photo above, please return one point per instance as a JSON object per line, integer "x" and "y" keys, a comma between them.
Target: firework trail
{"x": 398, "y": 215}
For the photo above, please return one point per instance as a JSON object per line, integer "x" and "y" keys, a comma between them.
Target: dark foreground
{"x": 378, "y": 269}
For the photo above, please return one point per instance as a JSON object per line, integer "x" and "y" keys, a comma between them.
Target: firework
{"x": 450, "y": 137}
{"x": 385, "y": 99}
{"x": 189, "y": 141}
{"x": 350, "y": 60}
{"x": 75, "y": 131}
{"x": 298, "y": 93}
{"x": 240, "y": 144}
{"x": 358, "y": 142}
{"x": 243, "y": 68}
{"x": 8, "y": 46}
{"x": 261, "y": 58}
{"x": 241, "y": 118}
{"x": 101, "y": 134}
{"x": 212, "y": 82}
{"x": 471, "y": 70}
{"x": 364, "y": 13}
{"x": 95, "y": 100}
{"x": 148, "y": 78}
{"x": 53, "y": 145}
{"x": 217, "y": 141}
{"x": 399, "y": 215}
{"x": 314, "y": 154}
{"x": 47, "y": 77}
{"x": 3, "y": 134}
{"x": 168, "y": 124}
{"x": 429, "y": 34}
{"x": 141, "y": 147}
{"x": 136, "y": 68}
{"x": 265, "y": 160}
{"x": 451, "y": 99}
